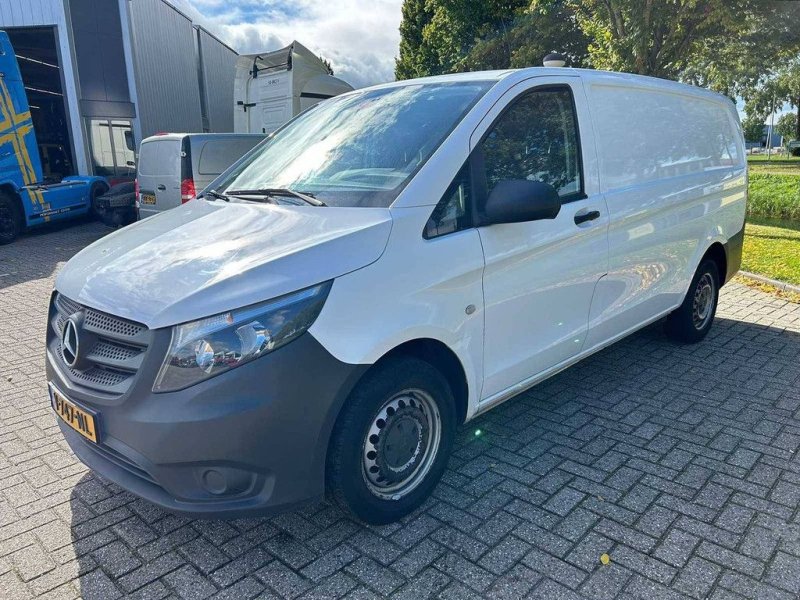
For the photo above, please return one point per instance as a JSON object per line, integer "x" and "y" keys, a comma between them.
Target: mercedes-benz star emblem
{"x": 69, "y": 342}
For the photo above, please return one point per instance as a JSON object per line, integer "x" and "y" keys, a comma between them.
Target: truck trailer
{"x": 273, "y": 87}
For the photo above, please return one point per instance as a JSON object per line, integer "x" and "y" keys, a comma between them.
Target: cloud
{"x": 359, "y": 37}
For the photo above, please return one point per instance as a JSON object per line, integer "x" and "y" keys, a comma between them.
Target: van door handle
{"x": 162, "y": 188}
{"x": 587, "y": 216}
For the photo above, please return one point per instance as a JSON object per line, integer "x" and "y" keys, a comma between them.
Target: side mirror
{"x": 520, "y": 200}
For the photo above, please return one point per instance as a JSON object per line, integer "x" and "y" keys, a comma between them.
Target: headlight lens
{"x": 205, "y": 348}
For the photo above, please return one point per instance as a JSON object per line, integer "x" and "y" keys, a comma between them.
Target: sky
{"x": 359, "y": 37}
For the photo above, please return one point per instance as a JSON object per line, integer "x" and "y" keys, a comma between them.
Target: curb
{"x": 781, "y": 285}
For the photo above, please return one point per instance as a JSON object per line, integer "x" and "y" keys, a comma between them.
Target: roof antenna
{"x": 554, "y": 59}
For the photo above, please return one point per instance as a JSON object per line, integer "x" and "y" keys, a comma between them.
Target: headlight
{"x": 208, "y": 347}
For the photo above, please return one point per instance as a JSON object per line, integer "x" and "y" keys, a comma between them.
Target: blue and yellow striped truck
{"x": 26, "y": 199}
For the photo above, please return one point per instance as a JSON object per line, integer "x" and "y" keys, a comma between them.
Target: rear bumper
{"x": 249, "y": 442}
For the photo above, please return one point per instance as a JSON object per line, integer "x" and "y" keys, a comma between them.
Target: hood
{"x": 205, "y": 258}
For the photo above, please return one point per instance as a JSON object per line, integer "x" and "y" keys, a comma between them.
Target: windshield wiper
{"x": 307, "y": 198}
{"x": 215, "y": 194}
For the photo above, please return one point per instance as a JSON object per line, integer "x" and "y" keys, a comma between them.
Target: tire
{"x": 381, "y": 472}
{"x": 98, "y": 189}
{"x": 11, "y": 221}
{"x": 692, "y": 321}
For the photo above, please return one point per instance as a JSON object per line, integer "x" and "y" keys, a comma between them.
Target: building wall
{"x": 218, "y": 68}
{"x": 35, "y": 13}
{"x": 100, "y": 56}
{"x": 165, "y": 68}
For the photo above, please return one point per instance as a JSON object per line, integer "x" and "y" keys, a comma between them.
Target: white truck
{"x": 271, "y": 88}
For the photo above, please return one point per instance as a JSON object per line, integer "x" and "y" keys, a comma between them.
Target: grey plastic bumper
{"x": 251, "y": 441}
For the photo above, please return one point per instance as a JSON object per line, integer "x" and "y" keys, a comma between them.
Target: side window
{"x": 452, "y": 212}
{"x": 536, "y": 139}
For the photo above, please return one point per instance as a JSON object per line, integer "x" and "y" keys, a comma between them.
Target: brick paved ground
{"x": 679, "y": 462}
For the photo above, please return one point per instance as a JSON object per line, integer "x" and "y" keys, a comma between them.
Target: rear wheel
{"x": 692, "y": 321}
{"x": 11, "y": 221}
{"x": 392, "y": 441}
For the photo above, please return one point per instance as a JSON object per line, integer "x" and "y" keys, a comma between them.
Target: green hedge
{"x": 775, "y": 196}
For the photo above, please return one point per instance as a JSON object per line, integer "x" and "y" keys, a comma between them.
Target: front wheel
{"x": 392, "y": 441}
{"x": 11, "y": 221}
{"x": 692, "y": 321}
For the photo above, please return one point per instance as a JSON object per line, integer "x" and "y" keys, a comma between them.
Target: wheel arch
{"x": 440, "y": 356}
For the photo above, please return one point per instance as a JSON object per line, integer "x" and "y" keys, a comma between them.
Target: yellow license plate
{"x": 79, "y": 419}
{"x": 148, "y": 199}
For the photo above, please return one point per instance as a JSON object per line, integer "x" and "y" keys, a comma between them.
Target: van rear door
{"x": 159, "y": 175}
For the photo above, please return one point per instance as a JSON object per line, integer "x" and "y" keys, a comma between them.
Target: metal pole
{"x": 771, "y": 129}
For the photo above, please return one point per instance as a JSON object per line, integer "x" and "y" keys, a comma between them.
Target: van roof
{"x": 610, "y": 77}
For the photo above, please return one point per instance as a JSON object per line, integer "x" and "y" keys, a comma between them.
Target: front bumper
{"x": 249, "y": 442}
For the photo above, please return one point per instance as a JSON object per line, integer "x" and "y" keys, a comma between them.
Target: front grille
{"x": 117, "y": 346}
{"x": 114, "y": 351}
{"x": 111, "y": 324}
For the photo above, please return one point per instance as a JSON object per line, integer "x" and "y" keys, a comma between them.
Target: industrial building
{"x": 100, "y": 75}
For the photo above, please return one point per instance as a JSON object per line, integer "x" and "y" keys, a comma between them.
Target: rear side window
{"x": 218, "y": 155}
{"x": 160, "y": 158}
{"x": 536, "y": 139}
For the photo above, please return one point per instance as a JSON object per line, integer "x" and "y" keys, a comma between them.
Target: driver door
{"x": 540, "y": 275}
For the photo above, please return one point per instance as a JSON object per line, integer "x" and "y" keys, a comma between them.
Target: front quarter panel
{"x": 418, "y": 289}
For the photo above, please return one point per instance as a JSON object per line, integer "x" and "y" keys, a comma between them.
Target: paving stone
{"x": 697, "y": 578}
{"x": 606, "y": 582}
{"x": 375, "y": 575}
{"x": 784, "y": 572}
{"x": 504, "y": 555}
{"x": 189, "y": 583}
{"x": 677, "y": 547}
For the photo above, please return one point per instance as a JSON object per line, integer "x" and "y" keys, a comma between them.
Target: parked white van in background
{"x": 392, "y": 263}
{"x": 172, "y": 168}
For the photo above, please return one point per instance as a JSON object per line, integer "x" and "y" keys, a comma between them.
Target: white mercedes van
{"x": 388, "y": 265}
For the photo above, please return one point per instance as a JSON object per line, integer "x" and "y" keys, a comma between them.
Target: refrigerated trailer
{"x": 273, "y": 87}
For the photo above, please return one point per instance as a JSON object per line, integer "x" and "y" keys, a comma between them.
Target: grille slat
{"x": 112, "y": 363}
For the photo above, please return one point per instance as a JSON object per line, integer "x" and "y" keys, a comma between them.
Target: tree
{"x": 416, "y": 55}
{"x": 787, "y": 127}
{"x": 776, "y": 87}
{"x": 444, "y": 36}
{"x": 726, "y": 45}
{"x": 736, "y": 65}
{"x": 753, "y": 128}
{"x": 661, "y": 37}
{"x": 526, "y": 40}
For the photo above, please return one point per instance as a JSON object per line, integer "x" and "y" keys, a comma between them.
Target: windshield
{"x": 360, "y": 149}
